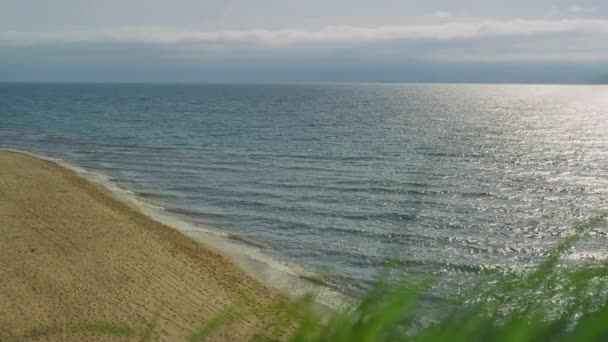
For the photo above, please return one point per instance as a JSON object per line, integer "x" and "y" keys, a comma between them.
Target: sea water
{"x": 451, "y": 181}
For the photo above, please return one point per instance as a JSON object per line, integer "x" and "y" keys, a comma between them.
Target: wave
{"x": 247, "y": 241}
{"x": 266, "y": 267}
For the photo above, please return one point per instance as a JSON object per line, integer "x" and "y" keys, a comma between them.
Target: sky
{"x": 516, "y": 41}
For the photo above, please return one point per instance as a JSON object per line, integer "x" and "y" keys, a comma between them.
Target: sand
{"x": 71, "y": 254}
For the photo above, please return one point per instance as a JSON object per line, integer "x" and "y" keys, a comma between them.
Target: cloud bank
{"x": 329, "y": 34}
{"x": 408, "y": 46}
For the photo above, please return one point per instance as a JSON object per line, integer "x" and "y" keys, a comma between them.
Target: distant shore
{"x": 71, "y": 253}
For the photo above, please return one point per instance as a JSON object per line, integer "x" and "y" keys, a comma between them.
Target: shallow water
{"x": 451, "y": 180}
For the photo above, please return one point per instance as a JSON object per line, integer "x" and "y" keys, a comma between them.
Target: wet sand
{"x": 72, "y": 254}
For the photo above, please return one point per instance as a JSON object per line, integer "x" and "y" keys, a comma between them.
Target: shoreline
{"x": 250, "y": 256}
{"x": 72, "y": 252}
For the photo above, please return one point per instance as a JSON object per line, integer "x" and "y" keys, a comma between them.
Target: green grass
{"x": 205, "y": 330}
{"x": 106, "y": 329}
{"x": 549, "y": 303}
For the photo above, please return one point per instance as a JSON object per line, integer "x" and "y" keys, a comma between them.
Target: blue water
{"x": 452, "y": 180}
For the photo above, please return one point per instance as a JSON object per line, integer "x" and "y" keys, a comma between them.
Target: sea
{"x": 337, "y": 182}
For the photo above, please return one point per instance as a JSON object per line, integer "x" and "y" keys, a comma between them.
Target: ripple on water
{"x": 455, "y": 180}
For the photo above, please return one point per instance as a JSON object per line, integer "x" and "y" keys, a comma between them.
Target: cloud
{"x": 573, "y": 10}
{"x": 580, "y": 10}
{"x": 447, "y": 31}
{"x": 260, "y": 52}
{"x": 442, "y": 14}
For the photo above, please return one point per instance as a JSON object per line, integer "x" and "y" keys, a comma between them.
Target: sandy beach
{"x": 72, "y": 254}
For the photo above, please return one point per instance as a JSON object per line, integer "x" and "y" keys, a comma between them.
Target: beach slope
{"x": 73, "y": 257}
